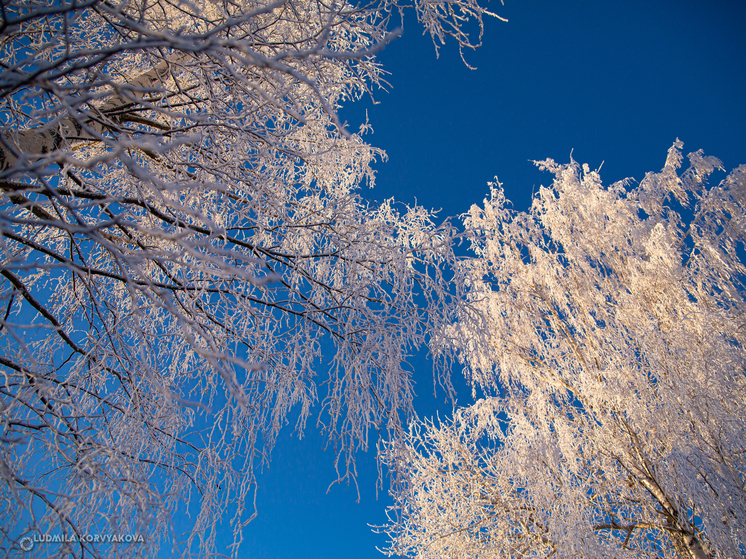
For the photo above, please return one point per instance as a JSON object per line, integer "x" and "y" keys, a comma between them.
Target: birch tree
{"x": 182, "y": 244}
{"x": 606, "y": 332}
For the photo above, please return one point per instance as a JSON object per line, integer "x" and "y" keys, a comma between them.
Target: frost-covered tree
{"x": 607, "y": 333}
{"x": 182, "y": 242}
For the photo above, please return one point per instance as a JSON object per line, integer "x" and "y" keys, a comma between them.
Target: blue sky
{"x": 611, "y": 82}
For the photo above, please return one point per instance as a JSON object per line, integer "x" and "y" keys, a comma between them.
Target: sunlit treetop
{"x": 606, "y": 329}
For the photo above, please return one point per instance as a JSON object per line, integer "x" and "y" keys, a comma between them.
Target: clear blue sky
{"x": 608, "y": 81}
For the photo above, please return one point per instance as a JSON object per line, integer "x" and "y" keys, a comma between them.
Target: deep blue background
{"x": 616, "y": 82}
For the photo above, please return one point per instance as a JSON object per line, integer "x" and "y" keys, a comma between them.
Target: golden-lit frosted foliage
{"x": 607, "y": 329}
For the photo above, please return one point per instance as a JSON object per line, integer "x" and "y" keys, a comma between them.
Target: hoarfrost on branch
{"x": 606, "y": 331}
{"x": 182, "y": 240}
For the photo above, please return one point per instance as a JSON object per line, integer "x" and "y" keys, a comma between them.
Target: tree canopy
{"x": 181, "y": 239}
{"x": 606, "y": 331}
{"x": 187, "y": 263}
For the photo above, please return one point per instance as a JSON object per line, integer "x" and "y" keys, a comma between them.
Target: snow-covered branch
{"x": 186, "y": 262}
{"x": 611, "y": 352}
